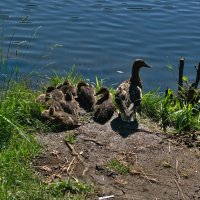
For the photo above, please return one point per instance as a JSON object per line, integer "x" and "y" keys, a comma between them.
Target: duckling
{"x": 104, "y": 108}
{"x": 71, "y": 105}
{"x": 57, "y": 95}
{"x": 85, "y": 94}
{"x": 129, "y": 93}
{"x": 65, "y": 119}
{"x": 44, "y": 97}
{"x": 47, "y": 114}
{"x": 41, "y": 99}
{"x": 66, "y": 86}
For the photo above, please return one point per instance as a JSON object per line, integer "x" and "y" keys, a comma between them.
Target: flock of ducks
{"x": 63, "y": 103}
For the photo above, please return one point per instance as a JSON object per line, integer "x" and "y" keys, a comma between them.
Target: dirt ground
{"x": 160, "y": 167}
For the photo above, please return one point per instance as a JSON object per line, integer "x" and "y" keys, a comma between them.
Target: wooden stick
{"x": 197, "y": 76}
{"x": 180, "y": 77}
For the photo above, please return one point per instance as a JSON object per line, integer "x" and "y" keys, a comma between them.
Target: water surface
{"x": 102, "y": 37}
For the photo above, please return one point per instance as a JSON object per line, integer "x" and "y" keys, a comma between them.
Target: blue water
{"x": 102, "y": 37}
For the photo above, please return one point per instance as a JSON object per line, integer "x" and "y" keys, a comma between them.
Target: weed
{"x": 70, "y": 137}
{"x": 118, "y": 166}
{"x": 66, "y": 187}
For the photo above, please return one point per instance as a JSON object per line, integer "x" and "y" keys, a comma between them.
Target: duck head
{"x": 103, "y": 91}
{"x": 50, "y": 89}
{"x": 80, "y": 84}
{"x": 140, "y": 63}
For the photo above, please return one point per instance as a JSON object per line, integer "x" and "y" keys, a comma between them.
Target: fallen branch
{"x": 92, "y": 140}
{"x": 78, "y": 156}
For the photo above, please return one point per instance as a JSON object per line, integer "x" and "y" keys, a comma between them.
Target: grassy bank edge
{"x": 20, "y": 122}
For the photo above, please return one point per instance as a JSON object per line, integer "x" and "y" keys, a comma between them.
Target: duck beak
{"x": 148, "y": 66}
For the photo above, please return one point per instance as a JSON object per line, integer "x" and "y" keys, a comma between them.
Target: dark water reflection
{"x": 102, "y": 37}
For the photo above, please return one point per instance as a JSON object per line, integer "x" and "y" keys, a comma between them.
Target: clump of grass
{"x": 70, "y": 137}
{"x": 118, "y": 166}
{"x": 169, "y": 111}
{"x": 65, "y": 188}
{"x": 151, "y": 104}
{"x": 72, "y": 76}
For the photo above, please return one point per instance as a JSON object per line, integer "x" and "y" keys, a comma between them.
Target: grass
{"x": 118, "y": 166}
{"x": 68, "y": 187}
{"x": 20, "y": 121}
{"x": 170, "y": 112}
{"x": 70, "y": 137}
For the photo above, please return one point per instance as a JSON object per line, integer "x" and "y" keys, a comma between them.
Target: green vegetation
{"x": 70, "y": 137}
{"x": 20, "y": 120}
{"x": 184, "y": 117}
{"x": 118, "y": 166}
{"x": 68, "y": 187}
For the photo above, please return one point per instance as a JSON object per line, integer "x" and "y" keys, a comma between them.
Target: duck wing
{"x": 128, "y": 99}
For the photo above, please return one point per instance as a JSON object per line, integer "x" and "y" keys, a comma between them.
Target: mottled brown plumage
{"x": 104, "y": 108}
{"x": 71, "y": 105}
{"x": 129, "y": 93}
{"x": 67, "y": 87}
{"x": 85, "y": 94}
{"x": 66, "y": 120}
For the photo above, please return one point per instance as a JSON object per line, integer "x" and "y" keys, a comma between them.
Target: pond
{"x": 102, "y": 37}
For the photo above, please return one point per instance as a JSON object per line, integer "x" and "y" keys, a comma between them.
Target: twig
{"x": 177, "y": 174}
{"x": 70, "y": 164}
{"x": 144, "y": 175}
{"x": 169, "y": 147}
{"x": 92, "y": 140}
{"x": 178, "y": 186}
{"x": 74, "y": 153}
{"x": 77, "y": 155}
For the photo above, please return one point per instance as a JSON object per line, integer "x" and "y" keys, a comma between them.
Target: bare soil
{"x": 160, "y": 167}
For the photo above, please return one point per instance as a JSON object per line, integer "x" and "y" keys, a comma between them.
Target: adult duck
{"x": 129, "y": 93}
{"x": 104, "y": 108}
{"x": 85, "y": 93}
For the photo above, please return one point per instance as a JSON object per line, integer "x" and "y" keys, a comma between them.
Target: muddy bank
{"x": 159, "y": 167}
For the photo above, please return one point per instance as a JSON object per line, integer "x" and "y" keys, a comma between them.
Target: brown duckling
{"x": 85, "y": 93}
{"x": 67, "y": 86}
{"x": 129, "y": 93}
{"x": 71, "y": 105}
{"x": 44, "y": 97}
{"x": 66, "y": 120}
{"x": 104, "y": 108}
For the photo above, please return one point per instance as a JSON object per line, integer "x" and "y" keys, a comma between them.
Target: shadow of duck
{"x": 124, "y": 128}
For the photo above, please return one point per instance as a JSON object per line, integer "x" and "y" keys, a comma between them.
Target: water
{"x": 103, "y": 37}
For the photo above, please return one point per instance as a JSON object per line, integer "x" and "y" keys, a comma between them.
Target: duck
{"x": 67, "y": 86}
{"x": 128, "y": 95}
{"x": 42, "y": 98}
{"x": 104, "y": 108}
{"x": 71, "y": 105}
{"x": 85, "y": 94}
{"x": 66, "y": 120}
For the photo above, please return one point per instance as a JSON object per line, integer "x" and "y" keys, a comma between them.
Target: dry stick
{"x": 144, "y": 175}
{"x": 180, "y": 77}
{"x": 92, "y": 140}
{"x": 178, "y": 186}
{"x": 78, "y": 157}
{"x": 177, "y": 174}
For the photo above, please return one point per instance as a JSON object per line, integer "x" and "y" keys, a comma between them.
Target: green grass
{"x": 118, "y": 166}
{"x": 170, "y": 112}
{"x": 70, "y": 137}
{"x": 68, "y": 187}
{"x": 20, "y": 120}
